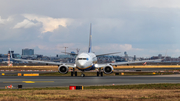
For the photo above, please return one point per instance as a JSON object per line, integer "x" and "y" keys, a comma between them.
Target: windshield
{"x": 82, "y": 59}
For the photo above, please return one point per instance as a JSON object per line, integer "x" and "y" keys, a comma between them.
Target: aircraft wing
{"x": 46, "y": 62}
{"x": 107, "y": 54}
{"x": 122, "y": 63}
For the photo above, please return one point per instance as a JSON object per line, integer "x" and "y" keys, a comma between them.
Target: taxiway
{"x": 58, "y": 81}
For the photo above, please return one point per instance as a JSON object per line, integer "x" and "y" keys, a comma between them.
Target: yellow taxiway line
{"x": 28, "y": 81}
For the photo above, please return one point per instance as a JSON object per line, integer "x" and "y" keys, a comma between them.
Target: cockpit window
{"x": 82, "y": 59}
{"x": 79, "y": 59}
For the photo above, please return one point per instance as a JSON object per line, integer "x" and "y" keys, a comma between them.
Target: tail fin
{"x": 90, "y": 43}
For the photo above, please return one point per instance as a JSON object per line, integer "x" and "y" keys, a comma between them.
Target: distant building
{"x": 126, "y": 56}
{"x": 134, "y": 57}
{"x": 3, "y": 55}
{"x": 160, "y": 56}
{"x": 64, "y": 56}
{"x": 27, "y": 51}
{"x": 17, "y": 56}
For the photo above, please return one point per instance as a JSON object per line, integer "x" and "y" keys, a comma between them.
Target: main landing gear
{"x": 99, "y": 72}
{"x": 74, "y": 72}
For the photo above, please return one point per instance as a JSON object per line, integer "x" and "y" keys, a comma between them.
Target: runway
{"x": 116, "y": 70}
{"x": 148, "y": 69}
{"x": 58, "y": 81}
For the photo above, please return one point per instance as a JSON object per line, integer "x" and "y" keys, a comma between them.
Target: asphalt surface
{"x": 148, "y": 69}
{"x": 120, "y": 70}
{"x": 55, "y": 81}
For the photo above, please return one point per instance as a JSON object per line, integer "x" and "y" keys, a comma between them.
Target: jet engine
{"x": 108, "y": 69}
{"x": 63, "y": 69}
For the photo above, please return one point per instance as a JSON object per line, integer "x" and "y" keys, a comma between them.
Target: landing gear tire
{"x": 82, "y": 75}
{"x": 101, "y": 73}
{"x": 97, "y": 73}
{"x": 76, "y": 73}
{"x": 71, "y": 73}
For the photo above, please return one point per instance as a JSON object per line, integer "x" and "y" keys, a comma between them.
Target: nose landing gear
{"x": 82, "y": 75}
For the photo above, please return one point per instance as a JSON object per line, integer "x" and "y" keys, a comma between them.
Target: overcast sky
{"x": 140, "y": 27}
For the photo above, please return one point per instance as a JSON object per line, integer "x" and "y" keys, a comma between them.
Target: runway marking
{"x": 12, "y": 82}
{"x": 28, "y": 81}
{"x": 43, "y": 81}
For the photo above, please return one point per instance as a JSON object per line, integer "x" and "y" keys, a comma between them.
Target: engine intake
{"x": 63, "y": 69}
{"x": 108, "y": 69}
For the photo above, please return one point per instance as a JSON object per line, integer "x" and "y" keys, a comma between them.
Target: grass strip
{"x": 138, "y": 86}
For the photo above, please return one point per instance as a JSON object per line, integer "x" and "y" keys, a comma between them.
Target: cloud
{"x": 124, "y": 47}
{"x": 106, "y": 48}
{"x": 26, "y": 24}
{"x": 49, "y": 24}
{"x": 143, "y": 24}
{"x": 4, "y": 21}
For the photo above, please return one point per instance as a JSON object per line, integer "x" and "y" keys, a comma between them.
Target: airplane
{"x": 87, "y": 61}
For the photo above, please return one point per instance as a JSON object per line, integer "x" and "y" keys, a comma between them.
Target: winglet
{"x": 90, "y": 37}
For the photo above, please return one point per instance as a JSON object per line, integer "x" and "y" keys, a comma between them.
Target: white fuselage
{"x": 85, "y": 61}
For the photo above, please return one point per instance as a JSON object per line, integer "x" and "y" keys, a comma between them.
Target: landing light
{"x": 96, "y": 65}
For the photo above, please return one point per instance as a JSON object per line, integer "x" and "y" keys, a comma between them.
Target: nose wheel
{"x": 82, "y": 75}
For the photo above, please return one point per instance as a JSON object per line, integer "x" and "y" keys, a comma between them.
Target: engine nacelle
{"x": 63, "y": 69}
{"x": 108, "y": 69}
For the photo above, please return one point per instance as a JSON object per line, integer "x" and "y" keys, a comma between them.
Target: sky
{"x": 140, "y": 27}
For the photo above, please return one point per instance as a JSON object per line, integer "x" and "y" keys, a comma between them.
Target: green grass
{"x": 138, "y": 86}
{"x": 46, "y": 88}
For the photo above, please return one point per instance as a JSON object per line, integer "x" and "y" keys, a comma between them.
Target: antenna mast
{"x": 65, "y": 49}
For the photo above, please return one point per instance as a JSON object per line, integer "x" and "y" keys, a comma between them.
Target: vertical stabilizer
{"x": 90, "y": 43}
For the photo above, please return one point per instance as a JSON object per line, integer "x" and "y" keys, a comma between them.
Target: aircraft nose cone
{"x": 81, "y": 64}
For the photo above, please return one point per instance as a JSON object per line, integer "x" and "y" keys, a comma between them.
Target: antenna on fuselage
{"x": 90, "y": 37}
